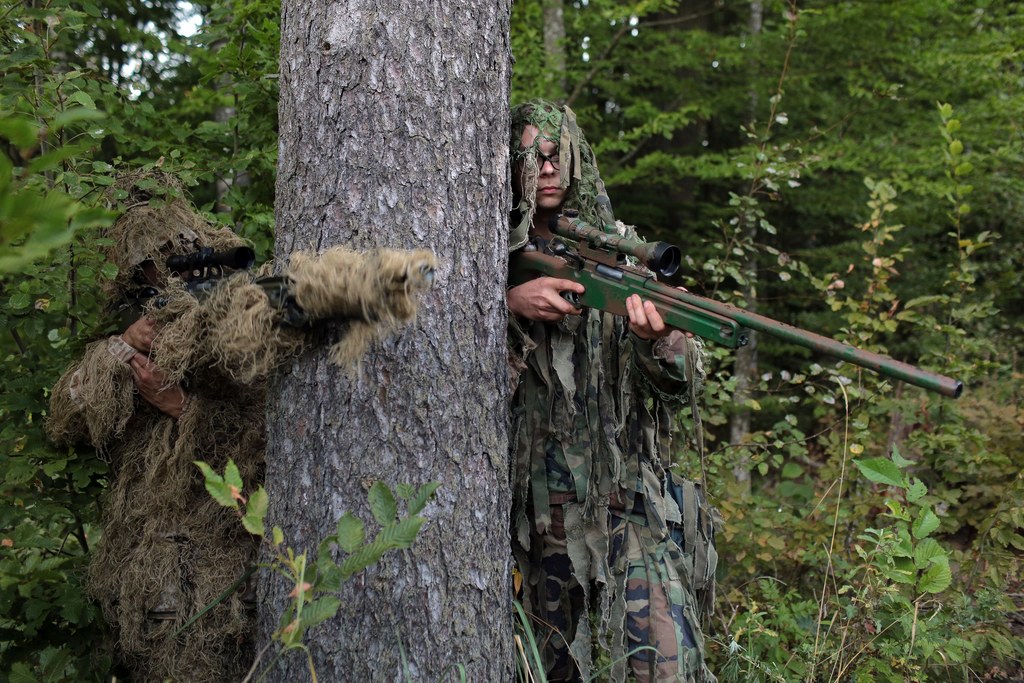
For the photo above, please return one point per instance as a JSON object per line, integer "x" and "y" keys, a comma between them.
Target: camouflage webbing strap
{"x": 698, "y": 429}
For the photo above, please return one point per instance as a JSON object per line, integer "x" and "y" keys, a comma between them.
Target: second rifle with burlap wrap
{"x": 202, "y": 270}
{"x": 597, "y": 260}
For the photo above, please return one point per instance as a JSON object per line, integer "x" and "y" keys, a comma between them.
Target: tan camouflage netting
{"x": 168, "y": 549}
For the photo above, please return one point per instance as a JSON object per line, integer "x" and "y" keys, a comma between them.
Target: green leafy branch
{"x": 905, "y": 567}
{"x": 314, "y": 581}
{"x": 35, "y": 218}
{"x": 916, "y": 559}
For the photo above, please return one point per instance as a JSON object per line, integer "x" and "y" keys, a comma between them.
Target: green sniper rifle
{"x": 599, "y": 263}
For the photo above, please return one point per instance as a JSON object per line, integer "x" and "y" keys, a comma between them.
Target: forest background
{"x": 854, "y": 168}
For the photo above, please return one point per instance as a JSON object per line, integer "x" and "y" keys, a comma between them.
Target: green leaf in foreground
{"x": 20, "y": 673}
{"x": 925, "y": 523}
{"x": 319, "y": 610}
{"x": 422, "y": 496}
{"x": 382, "y": 503}
{"x": 232, "y": 477}
{"x": 936, "y": 578}
{"x": 881, "y": 471}
{"x": 928, "y": 552}
{"x": 255, "y": 511}
{"x": 350, "y": 532}
{"x": 363, "y": 557}
{"x": 916, "y": 491}
{"x": 216, "y": 486}
{"x": 401, "y": 534}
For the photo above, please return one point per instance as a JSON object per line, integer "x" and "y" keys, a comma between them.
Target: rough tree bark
{"x": 394, "y": 132}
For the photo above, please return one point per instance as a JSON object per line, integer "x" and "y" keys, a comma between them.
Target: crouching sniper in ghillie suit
{"x": 604, "y": 530}
{"x": 185, "y": 381}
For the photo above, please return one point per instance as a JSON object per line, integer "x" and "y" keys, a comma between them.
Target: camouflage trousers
{"x": 662, "y": 629}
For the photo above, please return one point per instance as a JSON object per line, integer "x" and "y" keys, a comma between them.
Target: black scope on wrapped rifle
{"x": 660, "y": 257}
{"x": 206, "y": 258}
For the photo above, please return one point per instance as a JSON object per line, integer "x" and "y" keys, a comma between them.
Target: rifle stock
{"x": 598, "y": 265}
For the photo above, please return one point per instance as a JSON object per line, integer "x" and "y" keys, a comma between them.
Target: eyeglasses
{"x": 542, "y": 158}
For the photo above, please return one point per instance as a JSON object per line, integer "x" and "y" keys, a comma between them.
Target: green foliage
{"x": 910, "y": 557}
{"x": 801, "y": 161}
{"x": 49, "y": 125}
{"x": 35, "y": 217}
{"x": 89, "y": 90}
{"x": 315, "y": 579}
{"x": 884, "y": 622}
{"x": 48, "y": 506}
{"x": 48, "y": 121}
{"x": 219, "y": 128}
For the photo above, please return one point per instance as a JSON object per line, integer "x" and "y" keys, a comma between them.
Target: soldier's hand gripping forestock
{"x": 597, "y": 260}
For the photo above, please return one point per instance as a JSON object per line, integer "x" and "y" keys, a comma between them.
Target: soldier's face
{"x": 148, "y": 272}
{"x": 549, "y": 193}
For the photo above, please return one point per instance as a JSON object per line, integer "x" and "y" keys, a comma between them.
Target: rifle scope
{"x": 661, "y": 257}
{"x": 238, "y": 258}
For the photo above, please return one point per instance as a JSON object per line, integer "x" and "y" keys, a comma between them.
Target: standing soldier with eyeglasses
{"x": 601, "y": 525}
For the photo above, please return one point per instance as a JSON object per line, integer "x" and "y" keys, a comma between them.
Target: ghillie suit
{"x": 601, "y": 524}
{"x": 168, "y": 549}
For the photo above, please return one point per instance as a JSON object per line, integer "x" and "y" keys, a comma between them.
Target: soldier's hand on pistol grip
{"x": 542, "y": 299}
{"x": 153, "y": 388}
{"x": 140, "y": 335}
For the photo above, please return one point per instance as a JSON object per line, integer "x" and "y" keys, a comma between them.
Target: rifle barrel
{"x": 607, "y": 289}
{"x": 884, "y": 365}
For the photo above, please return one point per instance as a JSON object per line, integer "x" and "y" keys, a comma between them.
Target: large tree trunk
{"x": 394, "y": 132}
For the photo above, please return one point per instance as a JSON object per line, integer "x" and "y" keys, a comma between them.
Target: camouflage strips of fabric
{"x": 578, "y": 170}
{"x": 589, "y": 407}
{"x": 595, "y": 522}
{"x": 168, "y": 550}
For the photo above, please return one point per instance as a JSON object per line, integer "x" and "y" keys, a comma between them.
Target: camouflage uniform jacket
{"x": 602, "y": 400}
